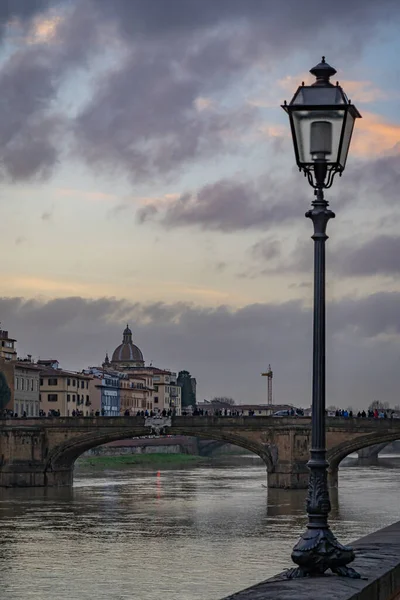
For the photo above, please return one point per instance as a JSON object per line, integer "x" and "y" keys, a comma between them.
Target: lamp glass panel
{"x": 347, "y": 132}
{"x": 302, "y": 120}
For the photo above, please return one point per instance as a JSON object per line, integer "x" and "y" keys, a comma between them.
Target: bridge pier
{"x": 289, "y": 476}
{"x": 333, "y": 476}
{"x": 370, "y": 456}
{"x": 59, "y": 478}
{"x": 22, "y": 475}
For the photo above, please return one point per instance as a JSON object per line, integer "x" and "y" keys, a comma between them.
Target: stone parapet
{"x": 377, "y": 560}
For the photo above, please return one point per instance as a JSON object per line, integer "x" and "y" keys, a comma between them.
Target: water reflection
{"x": 179, "y": 534}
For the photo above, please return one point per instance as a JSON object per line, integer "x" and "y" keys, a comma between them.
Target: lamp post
{"x": 322, "y": 120}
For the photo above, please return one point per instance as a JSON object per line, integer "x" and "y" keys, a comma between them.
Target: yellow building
{"x": 63, "y": 391}
{"x": 167, "y": 393}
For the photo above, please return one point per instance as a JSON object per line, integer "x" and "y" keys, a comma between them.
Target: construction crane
{"x": 269, "y": 374}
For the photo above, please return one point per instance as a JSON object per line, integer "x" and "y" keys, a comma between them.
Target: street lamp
{"x": 322, "y": 120}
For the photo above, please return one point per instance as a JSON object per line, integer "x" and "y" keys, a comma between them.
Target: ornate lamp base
{"x": 317, "y": 551}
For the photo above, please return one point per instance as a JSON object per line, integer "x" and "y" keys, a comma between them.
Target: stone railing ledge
{"x": 377, "y": 561}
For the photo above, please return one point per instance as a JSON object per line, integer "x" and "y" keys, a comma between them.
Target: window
{"x": 87, "y": 398}
{"x": 155, "y": 399}
{"x": 16, "y": 407}
{"x": 156, "y": 388}
{"x": 53, "y": 381}
{"x": 87, "y": 385}
{"x": 37, "y": 385}
{"x": 52, "y": 397}
{"x": 73, "y": 397}
{"x": 40, "y": 397}
{"x": 17, "y": 384}
{"x": 22, "y": 383}
{"x": 41, "y": 381}
{"x": 82, "y": 384}
{"x": 68, "y": 397}
{"x": 73, "y": 382}
{"x": 31, "y": 385}
{"x": 68, "y": 381}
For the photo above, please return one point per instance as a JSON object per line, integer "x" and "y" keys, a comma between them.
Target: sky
{"x": 147, "y": 176}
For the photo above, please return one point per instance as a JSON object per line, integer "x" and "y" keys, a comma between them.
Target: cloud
{"x": 266, "y": 249}
{"x": 376, "y": 257}
{"x": 374, "y": 183}
{"x": 374, "y": 135}
{"x": 156, "y": 70}
{"x": 181, "y": 17}
{"x": 226, "y": 206}
{"x": 21, "y": 10}
{"x": 231, "y": 347}
{"x": 144, "y": 119}
{"x": 33, "y": 124}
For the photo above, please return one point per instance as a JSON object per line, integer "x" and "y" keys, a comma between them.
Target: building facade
{"x": 63, "y": 392}
{"x": 7, "y": 346}
{"x": 136, "y": 394}
{"x": 26, "y": 389}
{"x": 22, "y": 377}
{"x": 167, "y": 393}
{"x": 110, "y": 396}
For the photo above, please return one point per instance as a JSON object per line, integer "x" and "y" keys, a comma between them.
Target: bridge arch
{"x": 61, "y": 457}
{"x": 338, "y": 453}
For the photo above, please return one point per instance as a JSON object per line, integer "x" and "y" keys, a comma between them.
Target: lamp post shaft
{"x": 318, "y": 550}
{"x": 318, "y": 504}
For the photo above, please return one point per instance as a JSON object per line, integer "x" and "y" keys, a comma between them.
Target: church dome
{"x": 127, "y": 353}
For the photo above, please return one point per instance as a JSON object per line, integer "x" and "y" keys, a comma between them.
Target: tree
{"x": 222, "y": 400}
{"x": 377, "y": 404}
{"x": 188, "y": 397}
{"x": 5, "y": 392}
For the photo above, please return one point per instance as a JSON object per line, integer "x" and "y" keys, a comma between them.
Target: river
{"x": 193, "y": 533}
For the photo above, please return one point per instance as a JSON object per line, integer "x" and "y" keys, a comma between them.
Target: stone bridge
{"x": 42, "y": 452}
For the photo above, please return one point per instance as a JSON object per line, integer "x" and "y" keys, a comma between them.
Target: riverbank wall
{"x": 377, "y": 561}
